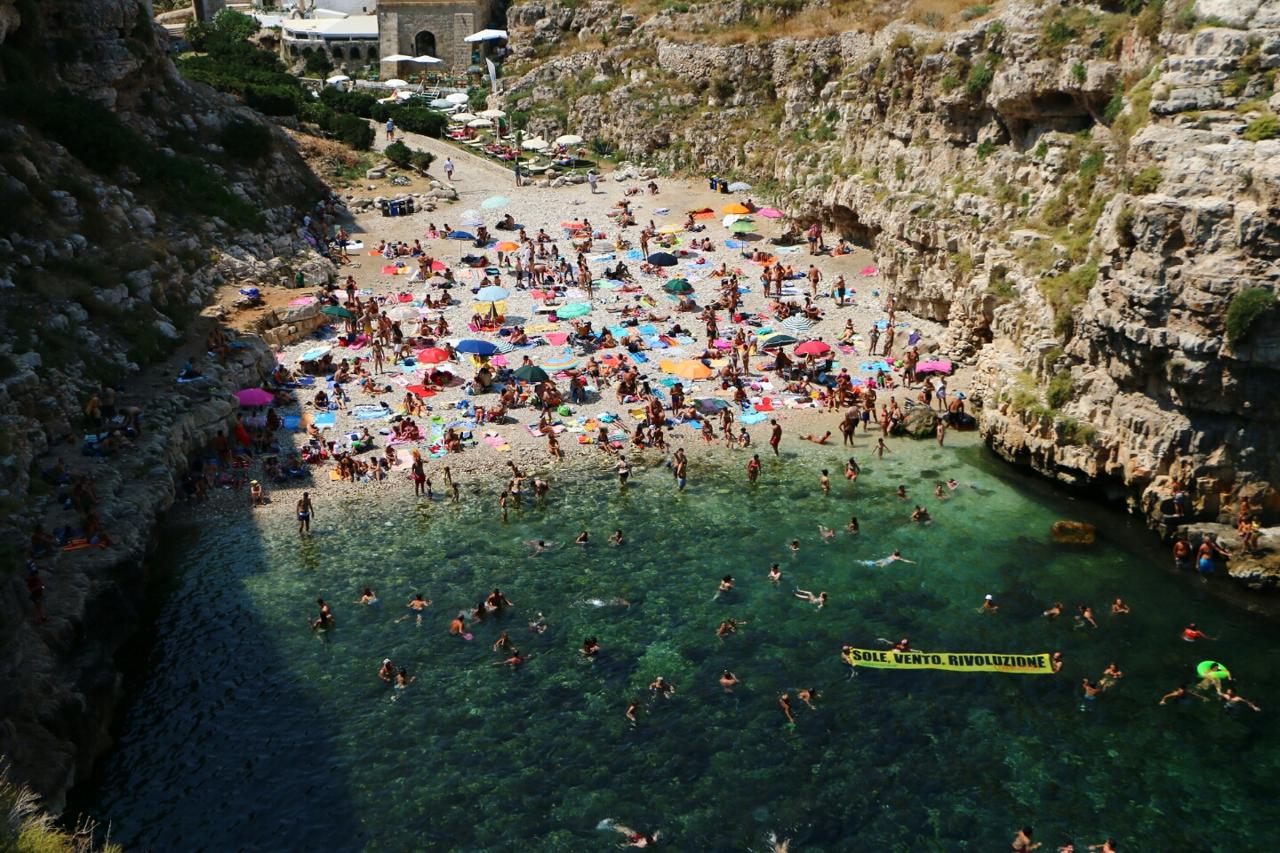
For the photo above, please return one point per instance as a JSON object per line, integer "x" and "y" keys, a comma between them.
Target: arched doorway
{"x": 425, "y": 43}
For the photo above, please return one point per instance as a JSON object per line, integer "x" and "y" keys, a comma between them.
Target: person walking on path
{"x": 391, "y": 130}
{"x": 448, "y": 169}
{"x": 591, "y": 179}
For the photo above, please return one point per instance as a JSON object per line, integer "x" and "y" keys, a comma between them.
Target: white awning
{"x": 397, "y": 57}
{"x": 486, "y": 35}
{"x": 424, "y": 59}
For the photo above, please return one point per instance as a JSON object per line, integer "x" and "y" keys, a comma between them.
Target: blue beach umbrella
{"x": 575, "y": 309}
{"x": 461, "y": 235}
{"x": 663, "y": 259}
{"x": 492, "y": 293}
{"x": 477, "y": 347}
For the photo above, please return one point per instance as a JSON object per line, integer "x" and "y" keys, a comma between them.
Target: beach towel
{"x": 292, "y": 422}
{"x": 557, "y": 338}
{"x": 324, "y": 419}
{"x": 638, "y": 357}
{"x": 752, "y": 418}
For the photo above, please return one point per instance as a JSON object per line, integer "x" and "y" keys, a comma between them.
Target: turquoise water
{"x": 251, "y": 732}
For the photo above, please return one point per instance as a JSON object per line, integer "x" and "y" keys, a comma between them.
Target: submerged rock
{"x": 1073, "y": 532}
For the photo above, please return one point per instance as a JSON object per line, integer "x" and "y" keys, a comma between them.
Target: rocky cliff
{"x": 126, "y": 196}
{"x": 1088, "y": 195}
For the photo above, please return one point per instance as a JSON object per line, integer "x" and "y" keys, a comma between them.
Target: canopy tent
{"x": 486, "y": 35}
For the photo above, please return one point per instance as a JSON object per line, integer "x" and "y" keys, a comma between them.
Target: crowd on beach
{"x": 392, "y": 358}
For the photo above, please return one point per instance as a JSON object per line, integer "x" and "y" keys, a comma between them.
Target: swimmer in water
{"x": 903, "y": 645}
{"x": 662, "y": 687}
{"x": 367, "y": 597}
{"x": 1085, "y": 616}
{"x": 616, "y": 539}
{"x": 776, "y": 846}
{"x": 826, "y": 532}
{"x": 852, "y": 470}
{"x": 387, "y": 671}
{"x": 939, "y": 493}
{"x": 539, "y": 624}
{"x": 1055, "y": 661}
{"x": 726, "y": 586}
{"x": 497, "y": 601}
{"x": 824, "y": 482}
{"x": 1191, "y": 633}
{"x": 819, "y": 600}
{"x": 952, "y": 485}
{"x": 817, "y": 440}
{"x": 1118, "y": 607}
{"x": 583, "y": 538}
{"x": 852, "y": 527}
{"x": 988, "y": 604}
{"x": 503, "y": 643}
{"x": 902, "y": 493}
{"x": 1110, "y": 676}
{"x": 458, "y": 625}
{"x": 775, "y": 573}
{"x": 630, "y": 713}
{"x": 1091, "y": 690}
{"x": 1022, "y": 842}
{"x": 515, "y": 661}
{"x": 634, "y": 838}
{"x": 1108, "y": 846}
{"x": 807, "y": 696}
{"x": 404, "y": 679}
{"x": 920, "y": 515}
{"x": 590, "y": 647}
{"x": 1053, "y": 612}
{"x": 895, "y": 557}
{"x": 727, "y": 627}
{"x": 784, "y": 702}
{"x": 324, "y": 621}
{"x": 795, "y": 545}
{"x": 728, "y": 681}
{"x": 416, "y": 606}
{"x": 539, "y": 545}
{"x": 1232, "y": 700}
{"x": 1181, "y": 692}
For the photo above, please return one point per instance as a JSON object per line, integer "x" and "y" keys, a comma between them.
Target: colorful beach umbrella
{"x": 461, "y": 235}
{"x": 678, "y": 285}
{"x": 743, "y": 226}
{"x": 735, "y": 208}
{"x": 573, "y": 309}
{"x": 560, "y": 361}
{"x": 255, "y": 397}
{"x": 337, "y": 311}
{"x": 671, "y": 228}
{"x": 687, "y": 369}
{"x": 663, "y": 259}
{"x": 492, "y": 293}
{"x": 813, "y": 348}
{"x": 797, "y": 323}
{"x": 778, "y": 341}
{"x": 476, "y": 347}
{"x": 507, "y": 246}
{"x": 770, "y": 213}
{"x": 531, "y": 373}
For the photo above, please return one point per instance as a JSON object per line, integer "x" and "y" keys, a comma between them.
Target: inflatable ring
{"x": 1205, "y": 670}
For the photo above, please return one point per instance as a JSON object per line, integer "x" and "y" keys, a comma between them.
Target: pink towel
{"x": 556, "y": 338}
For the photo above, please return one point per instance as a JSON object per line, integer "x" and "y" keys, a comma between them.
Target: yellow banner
{"x": 953, "y": 661}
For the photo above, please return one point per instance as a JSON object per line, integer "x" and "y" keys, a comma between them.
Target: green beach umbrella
{"x": 530, "y": 373}
{"x": 678, "y": 285}
{"x": 743, "y": 226}
{"x": 574, "y": 309}
{"x": 337, "y": 311}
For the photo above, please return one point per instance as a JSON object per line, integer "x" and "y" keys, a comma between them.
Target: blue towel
{"x": 325, "y": 419}
{"x": 291, "y": 421}
{"x": 648, "y": 329}
{"x": 684, "y": 340}
{"x": 638, "y": 357}
{"x": 635, "y": 255}
{"x": 654, "y": 342}
{"x": 371, "y": 414}
{"x": 753, "y": 418}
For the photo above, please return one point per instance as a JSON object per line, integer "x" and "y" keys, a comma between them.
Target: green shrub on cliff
{"x": 24, "y": 828}
{"x": 1265, "y": 127}
{"x": 1147, "y": 181}
{"x": 1245, "y": 308}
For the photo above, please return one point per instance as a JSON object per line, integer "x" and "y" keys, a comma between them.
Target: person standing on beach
{"x": 591, "y": 180}
{"x": 305, "y": 510}
{"x": 775, "y": 437}
{"x": 448, "y": 169}
{"x": 623, "y": 469}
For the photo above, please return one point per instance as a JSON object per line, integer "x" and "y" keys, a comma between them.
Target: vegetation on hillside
{"x": 25, "y": 828}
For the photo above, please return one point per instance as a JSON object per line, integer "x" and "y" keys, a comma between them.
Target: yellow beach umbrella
{"x": 671, "y": 228}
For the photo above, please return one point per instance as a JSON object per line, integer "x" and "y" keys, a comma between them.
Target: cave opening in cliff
{"x": 850, "y": 226}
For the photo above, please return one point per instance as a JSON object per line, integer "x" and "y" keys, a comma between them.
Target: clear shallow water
{"x": 250, "y": 732}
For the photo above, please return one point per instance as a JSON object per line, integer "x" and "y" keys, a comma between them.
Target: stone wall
{"x": 450, "y": 21}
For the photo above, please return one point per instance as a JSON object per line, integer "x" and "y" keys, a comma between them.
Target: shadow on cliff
{"x": 220, "y": 742}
